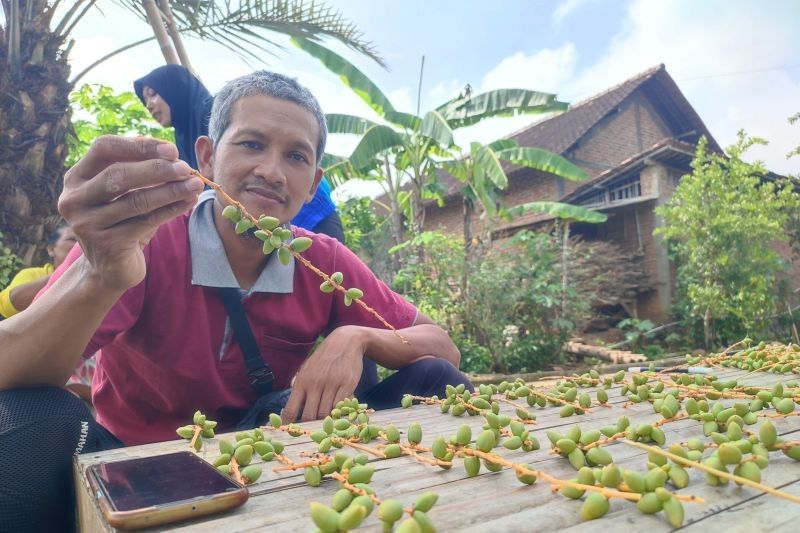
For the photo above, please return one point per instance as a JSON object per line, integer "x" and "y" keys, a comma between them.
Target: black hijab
{"x": 189, "y": 104}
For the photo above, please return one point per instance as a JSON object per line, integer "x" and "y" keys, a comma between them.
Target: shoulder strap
{"x": 257, "y": 368}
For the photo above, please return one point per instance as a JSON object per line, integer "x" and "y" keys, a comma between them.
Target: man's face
{"x": 157, "y": 107}
{"x": 266, "y": 159}
{"x": 63, "y": 245}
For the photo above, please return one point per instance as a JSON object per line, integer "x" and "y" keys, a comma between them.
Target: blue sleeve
{"x": 318, "y": 209}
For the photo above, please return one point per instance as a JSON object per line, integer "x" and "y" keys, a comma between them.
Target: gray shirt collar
{"x": 210, "y": 267}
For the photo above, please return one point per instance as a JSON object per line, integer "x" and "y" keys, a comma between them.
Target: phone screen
{"x": 163, "y": 479}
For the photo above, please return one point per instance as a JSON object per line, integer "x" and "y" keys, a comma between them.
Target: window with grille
{"x": 597, "y": 200}
{"x": 624, "y": 190}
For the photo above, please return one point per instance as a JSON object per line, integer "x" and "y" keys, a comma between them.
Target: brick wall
{"x": 448, "y": 218}
{"x": 632, "y": 129}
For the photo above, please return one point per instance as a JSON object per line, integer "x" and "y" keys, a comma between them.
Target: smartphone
{"x": 150, "y": 491}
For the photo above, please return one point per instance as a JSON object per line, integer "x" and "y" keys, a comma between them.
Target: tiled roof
{"x": 560, "y": 132}
{"x": 557, "y": 134}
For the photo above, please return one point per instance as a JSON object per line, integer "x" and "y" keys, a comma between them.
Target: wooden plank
{"x": 279, "y": 502}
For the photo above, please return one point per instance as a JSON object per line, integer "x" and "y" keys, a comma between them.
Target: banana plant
{"x": 415, "y": 145}
{"x": 567, "y": 214}
{"x": 482, "y": 171}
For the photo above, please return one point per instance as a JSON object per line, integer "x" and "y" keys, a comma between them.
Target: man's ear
{"x": 204, "y": 150}
{"x": 317, "y": 179}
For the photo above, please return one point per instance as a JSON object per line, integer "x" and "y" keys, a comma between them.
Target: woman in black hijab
{"x": 176, "y": 98}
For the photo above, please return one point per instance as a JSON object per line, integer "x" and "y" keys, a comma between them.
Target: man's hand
{"x": 329, "y": 375}
{"x": 116, "y": 197}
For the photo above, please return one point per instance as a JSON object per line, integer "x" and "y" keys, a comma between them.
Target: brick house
{"x": 635, "y": 141}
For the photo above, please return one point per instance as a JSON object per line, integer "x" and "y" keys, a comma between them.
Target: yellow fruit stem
{"x": 411, "y": 451}
{"x": 602, "y": 442}
{"x": 235, "y": 471}
{"x": 713, "y": 471}
{"x": 560, "y": 483}
{"x": 197, "y": 430}
{"x": 345, "y": 442}
{"x": 555, "y": 399}
{"x": 675, "y": 418}
{"x": 298, "y": 466}
{"x": 355, "y": 490}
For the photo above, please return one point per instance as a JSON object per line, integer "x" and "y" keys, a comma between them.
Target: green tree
{"x": 793, "y": 226}
{"x": 107, "y": 113}
{"x": 720, "y": 224}
{"x": 35, "y": 45}
{"x": 405, "y": 146}
{"x": 366, "y": 233}
{"x": 9, "y": 264}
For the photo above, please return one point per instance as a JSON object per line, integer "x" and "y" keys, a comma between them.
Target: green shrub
{"x": 507, "y": 312}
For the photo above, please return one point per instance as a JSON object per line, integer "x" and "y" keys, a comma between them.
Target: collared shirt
{"x": 211, "y": 268}
{"x": 160, "y": 344}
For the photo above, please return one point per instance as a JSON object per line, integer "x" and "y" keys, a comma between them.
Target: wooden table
{"x": 495, "y": 501}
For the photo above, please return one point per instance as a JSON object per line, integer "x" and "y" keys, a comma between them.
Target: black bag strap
{"x": 257, "y": 368}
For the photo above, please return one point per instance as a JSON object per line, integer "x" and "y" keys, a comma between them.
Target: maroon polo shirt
{"x": 164, "y": 349}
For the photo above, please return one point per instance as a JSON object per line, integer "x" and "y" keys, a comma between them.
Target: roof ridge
{"x": 645, "y": 75}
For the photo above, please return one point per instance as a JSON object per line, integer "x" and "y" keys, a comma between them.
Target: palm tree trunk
{"x": 175, "y": 35}
{"x": 34, "y": 122}
{"x": 157, "y": 23}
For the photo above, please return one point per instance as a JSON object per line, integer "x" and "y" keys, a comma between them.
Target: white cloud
{"x": 694, "y": 40}
{"x": 547, "y": 70}
{"x": 402, "y": 100}
{"x": 441, "y": 93}
{"x": 566, "y": 8}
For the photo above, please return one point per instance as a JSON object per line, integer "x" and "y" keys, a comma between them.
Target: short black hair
{"x": 56, "y": 233}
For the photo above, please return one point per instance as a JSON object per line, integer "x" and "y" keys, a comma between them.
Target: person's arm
{"x": 332, "y": 372}
{"x": 41, "y": 347}
{"x": 22, "y": 296}
{"x": 114, "y": 198}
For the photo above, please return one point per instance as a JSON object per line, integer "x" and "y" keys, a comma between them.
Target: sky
{"x": 737, "y": 62}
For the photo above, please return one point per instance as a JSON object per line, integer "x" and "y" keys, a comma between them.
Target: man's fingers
{"x": 121, "y": 178}
{"x": 111, "y": 148}
{"x": 311, "y": 407}
{"x": 144, "y": 228}
{"x": 329, "y": 398}
{"x": 141, "y": 204}
{"x": 293, "y": 405}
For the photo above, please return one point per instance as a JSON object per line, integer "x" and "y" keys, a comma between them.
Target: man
{"x": 144, "y": 290}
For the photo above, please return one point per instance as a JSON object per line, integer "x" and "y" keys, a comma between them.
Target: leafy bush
{"x": 507, "y": 312}
{"x": 9, "y": 264}
{"x": 720, "y": 225}
{"x": 107, "y": 113}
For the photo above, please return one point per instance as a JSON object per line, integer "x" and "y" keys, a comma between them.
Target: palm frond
{"x": 238, "y": 26}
